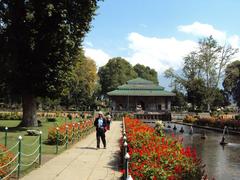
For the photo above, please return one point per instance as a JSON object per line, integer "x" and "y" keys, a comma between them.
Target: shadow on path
{"x": 91, "y": 148}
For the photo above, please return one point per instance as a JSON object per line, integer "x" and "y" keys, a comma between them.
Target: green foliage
{"x": 10, "y": 116}
{"x": 231, "y": 81}
{"x": 202, "y": 72}
{"x": 116, "y": 72}
{"x": 51, "y": 119}
{"x": 83, "y": 84}
{"x": 146, "y": 72}
{"x": 237, "y": 117}
{"x": 179, "y": 101}
{"x": 39, "y": 42}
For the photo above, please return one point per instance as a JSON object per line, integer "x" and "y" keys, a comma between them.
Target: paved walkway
{"x": 83, "y": 161}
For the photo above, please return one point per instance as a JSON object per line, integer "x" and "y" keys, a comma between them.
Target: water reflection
{"x": 222, "y": 162}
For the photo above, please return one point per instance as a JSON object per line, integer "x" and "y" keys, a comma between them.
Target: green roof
{"x": 139, "y": 81}
{"x": 140, "y": 87}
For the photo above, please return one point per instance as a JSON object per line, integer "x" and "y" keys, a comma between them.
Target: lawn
{"x": 48, "y": 151}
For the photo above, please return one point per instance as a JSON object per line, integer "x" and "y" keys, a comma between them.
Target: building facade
{"x": 142, "y": 97}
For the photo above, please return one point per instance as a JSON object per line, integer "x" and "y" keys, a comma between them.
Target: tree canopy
{"x": 83, "y": 82}
{"x": 202, "y": 71}
{"x": 146, "y": 72}
{"x": 231, "y": 81}
{"x": 39, "y": 42}
{"x": 116, "y": 72}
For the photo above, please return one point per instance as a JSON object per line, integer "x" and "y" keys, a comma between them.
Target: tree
{"x": 203, "y": 68}
{"x": 213, "y": 59}
{"x": 146, "y": 72}
{"x": 116, "y": 72}
{"x": 84, "y": 82}
{"x": 221, "y": 98}
{"x": 179, "y": 101}
{"x": 39, "y": 41}
{"x": 231, "y": 81}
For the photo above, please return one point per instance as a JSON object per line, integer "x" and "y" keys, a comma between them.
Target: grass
{"x": 48, "y": 151}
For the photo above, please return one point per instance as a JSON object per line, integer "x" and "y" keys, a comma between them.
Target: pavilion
{"x": 142, "y": 97}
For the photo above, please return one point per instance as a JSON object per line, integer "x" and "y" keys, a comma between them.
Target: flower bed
{"x": 73, "y": 128}
{"x": 5, "y": 158}
{"x": 156, "y": 157}
{"x": 214, "y": 121}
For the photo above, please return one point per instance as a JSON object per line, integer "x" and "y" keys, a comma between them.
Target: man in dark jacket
{"x": 100, "y": 124}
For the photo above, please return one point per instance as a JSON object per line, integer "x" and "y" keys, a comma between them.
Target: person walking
{"x": 108, "y": 119}
{"x": 100, "y": 123}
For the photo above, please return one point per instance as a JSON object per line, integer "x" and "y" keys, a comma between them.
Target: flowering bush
{"x": 72, "y": 130}
{"x": 189, "y": 119}
{"x": 5, "y": 158}
{"x": 155, "y": 157}
{"x": 219, "y": 122}
{"x": 159, "y": 128}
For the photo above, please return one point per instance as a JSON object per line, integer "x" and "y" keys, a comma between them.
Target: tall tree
{"x": 204, "y": 67}
{"x": 116, "y": 72}
{"x": 39, "y": 41}
{"x": 231, "y": 81}
{"x": 84, "y": 82}
{"x": 179, "y": 101}
{"x": 146, "y": 72}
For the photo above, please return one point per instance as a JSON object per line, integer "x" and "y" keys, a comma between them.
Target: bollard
{"x": 125, "y": 144}
{"x": 129, "y": 177}
{"x": 73, "y": 133}
{"x": 40, "y": 148}
{"x": 66, "y": 136}
{"x": 124, "y": 138}
{"x": 6, "y": 131}
{"x": 78, "y": 131}
{"x": 57, "y": 139}
{"x": 19, "y": 155}
{"x": 126, "y": 157}
{"x": 124, "y": 151}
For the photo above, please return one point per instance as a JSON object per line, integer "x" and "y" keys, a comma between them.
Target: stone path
{"x": 83, "y": 161}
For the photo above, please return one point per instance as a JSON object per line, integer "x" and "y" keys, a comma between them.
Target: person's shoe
{"x": 105, "y": 147}
{"x": 98, "y": 147}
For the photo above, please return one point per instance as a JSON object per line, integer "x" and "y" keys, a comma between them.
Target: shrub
{"x": 69, "y": 116}
{"x": 237, "y": 117}
{"x": 189, "y": 119}
{"x": 51, "y": 119}
{"x": 72, "y": 128}
{"x": 10, "y": 116}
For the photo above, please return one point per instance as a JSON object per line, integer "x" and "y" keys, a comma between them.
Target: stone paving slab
{"x": 83, "y": 161}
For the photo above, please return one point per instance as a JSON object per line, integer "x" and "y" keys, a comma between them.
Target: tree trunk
{"x": 29, "y": 105}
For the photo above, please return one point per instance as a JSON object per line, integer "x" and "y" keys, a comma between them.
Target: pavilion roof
{"x": 140, "y": 87}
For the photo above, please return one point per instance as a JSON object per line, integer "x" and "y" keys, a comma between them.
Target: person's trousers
{"x": 101, "y": 134}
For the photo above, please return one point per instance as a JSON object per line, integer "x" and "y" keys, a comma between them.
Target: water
{"x": 222, "y": 162}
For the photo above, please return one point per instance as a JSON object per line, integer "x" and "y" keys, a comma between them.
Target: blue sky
{"x": 159, "y": 33}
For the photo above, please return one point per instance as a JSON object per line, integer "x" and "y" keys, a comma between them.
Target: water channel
{"x": 222, "y": 162}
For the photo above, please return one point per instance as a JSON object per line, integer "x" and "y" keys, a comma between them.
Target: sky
{"x": 159, "y": 33}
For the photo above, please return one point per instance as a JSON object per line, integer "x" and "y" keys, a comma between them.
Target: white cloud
{"x": 98, "y": 55}
{"x": 200, "y": 29}
{"x": 234, "y": 41}
{"x": 162, "y": 53}
{"x": 205, "y": 30}
{"x": 158, "y": 53}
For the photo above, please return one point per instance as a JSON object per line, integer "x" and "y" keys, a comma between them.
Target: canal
{"x": 222, "y": 162}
